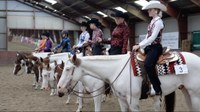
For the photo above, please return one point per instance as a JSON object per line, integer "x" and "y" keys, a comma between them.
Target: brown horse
{"x": 58, "y": 70}
{"x": 19, "y": 61}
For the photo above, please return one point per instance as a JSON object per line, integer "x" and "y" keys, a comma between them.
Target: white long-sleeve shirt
{"x": 84, "y": 37}
{"x": 155, "y": 26}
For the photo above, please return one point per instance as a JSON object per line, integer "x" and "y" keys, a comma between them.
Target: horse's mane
{"x": 104, "y": 57}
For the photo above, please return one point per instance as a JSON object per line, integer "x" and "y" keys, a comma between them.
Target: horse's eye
{"x": 67, "y": 69}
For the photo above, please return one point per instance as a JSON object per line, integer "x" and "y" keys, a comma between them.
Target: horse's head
{"x": 28, "y": 66}
{"x": 17, "y": 67}
{"x": 58, "y": 70}
{"x": 19, "y": 61}
{"x": 46, "y": 72}
{"x": 70, "y": 76}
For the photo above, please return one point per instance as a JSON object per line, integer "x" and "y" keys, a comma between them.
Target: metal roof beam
{"x": 196, "y": 2}
{"x": 133, "y": 10}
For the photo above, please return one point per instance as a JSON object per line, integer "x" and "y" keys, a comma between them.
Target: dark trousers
{"x": 152, "y": 54}
{"x": 97, "y": 49}
{"x": 115, "y": 50}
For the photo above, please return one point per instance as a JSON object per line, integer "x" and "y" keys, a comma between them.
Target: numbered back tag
{"x": 181, "y": 69}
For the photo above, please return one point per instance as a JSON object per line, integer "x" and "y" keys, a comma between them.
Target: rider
{"x": 84, "y": 38}
{"x": 65, "y": 43}
{"x": 120, "y": 34}
{"x": 48, "y": 43}
{"x": 152, "y": 43}
{"x": 96, "y": 36}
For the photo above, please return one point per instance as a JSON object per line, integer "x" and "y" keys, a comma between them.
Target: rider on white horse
{"x": 84, "y": 38}
{"x": 152, "y": 43}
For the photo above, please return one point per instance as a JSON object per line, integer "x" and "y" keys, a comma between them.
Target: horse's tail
{"x": 170, "y": 102}
{"x": 107, "y": 88}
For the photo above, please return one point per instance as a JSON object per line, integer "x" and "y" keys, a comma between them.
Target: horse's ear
{"x": 69, "y": 55}
{"x": 41, "y": 59}
{"x": 62, "y": 63}
{"x": 48, "y": 67}
{"x": 74, "y": 58}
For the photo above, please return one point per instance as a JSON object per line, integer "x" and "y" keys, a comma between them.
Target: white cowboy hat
{"x": 155, "y": 4}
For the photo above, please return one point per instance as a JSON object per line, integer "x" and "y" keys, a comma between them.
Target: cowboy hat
{"x": 94, "y": 21}
{"x": 120, "y": 14}
{"x": 155, "y": 4}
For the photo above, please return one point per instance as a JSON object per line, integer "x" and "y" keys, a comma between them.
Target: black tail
{"x": 170, "y": 102}
{"x": 107, "y": 88}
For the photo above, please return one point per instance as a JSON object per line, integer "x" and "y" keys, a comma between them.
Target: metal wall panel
{"x": 20, "y": 22}
{"x": 48, "y": 23}
{"x": 3, "y": 41}
{"x": 14, "y": 5}
{"x": 70, "y": 26}
{"x": 2, "y": 25}
{"x": 2, "y": 5}
{"x": 193, "y": 23}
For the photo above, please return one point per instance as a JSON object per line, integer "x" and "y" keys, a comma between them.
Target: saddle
{"x": 166, "y": 57}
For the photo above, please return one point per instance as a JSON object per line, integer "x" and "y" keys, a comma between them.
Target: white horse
{"x": 118, "y": 72}
{"x": 93, "y": 85}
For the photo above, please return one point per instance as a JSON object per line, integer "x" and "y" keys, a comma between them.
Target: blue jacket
{"x": 65, "y": 44}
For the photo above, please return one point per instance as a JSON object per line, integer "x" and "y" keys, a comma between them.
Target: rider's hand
{"x": 136, "y": 47}
{"x": 99, "y": 39}
{"x": 74, "y": 47}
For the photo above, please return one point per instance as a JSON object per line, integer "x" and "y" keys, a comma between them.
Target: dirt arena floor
{"x": 17, "y": 94}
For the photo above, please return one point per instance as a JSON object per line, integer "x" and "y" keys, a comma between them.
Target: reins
{"x": 103, "y": 86}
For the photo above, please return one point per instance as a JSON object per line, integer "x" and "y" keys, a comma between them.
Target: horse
{"x": 117, "y": 71}
{"x": 21, "y": 57}
{"x": 94, "y": 86}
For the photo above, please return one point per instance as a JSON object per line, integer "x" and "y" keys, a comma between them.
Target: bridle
{"x": 76, "y": 92}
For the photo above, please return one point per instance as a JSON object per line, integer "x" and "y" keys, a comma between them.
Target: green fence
{"x": 196, "y": 40}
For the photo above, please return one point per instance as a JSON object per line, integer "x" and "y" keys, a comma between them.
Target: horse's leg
{"x": 134, "y": 104}
{"x": 68, "y": 98}
{"x": 103, "y": 98}
{"x": 97, "y": 103}
{"x": 187, "y": 98}
{"x": 157, "y": 103}
{"x": 36, "y": 78}
{"x": 195, "y": 99}
{"x": 80, "y": 89}
{"x": 123, "y": 104}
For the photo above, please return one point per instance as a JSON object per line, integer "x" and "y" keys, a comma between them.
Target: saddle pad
{"x": 162, "y": 69}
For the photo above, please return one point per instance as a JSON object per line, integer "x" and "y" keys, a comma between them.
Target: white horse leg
{"x": 187, "y": 98}
{"x": 80, "y": 89}
{"x": 134, "y": 104}
{"x": 97, "y": 103}
{"x": 195, "y": 98}
{"x": 34, "y": 82}
{"x": 157, "y": 103}
{"x": 123, "y": 105}
{"x": 68, "y": 98}
{"x": 103, "y": 98}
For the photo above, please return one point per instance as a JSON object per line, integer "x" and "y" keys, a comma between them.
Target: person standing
{"x": 152, "y": 43}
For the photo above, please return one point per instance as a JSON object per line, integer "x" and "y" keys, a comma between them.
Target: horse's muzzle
{"x": 61, "y": 94}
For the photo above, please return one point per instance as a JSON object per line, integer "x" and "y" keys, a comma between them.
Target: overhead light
{"x": 51, "y": 1}
{"x": 141, "y": 2}
{"x": 120, "y": 9}
{"x": 36, "y": 2}
{"x": 55, "y": 11}
{"x": 87, "y": 17}
{"x": 46, "y": 6}
{"x": 63, "y": 14}
{"x": 101, "y": 13}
